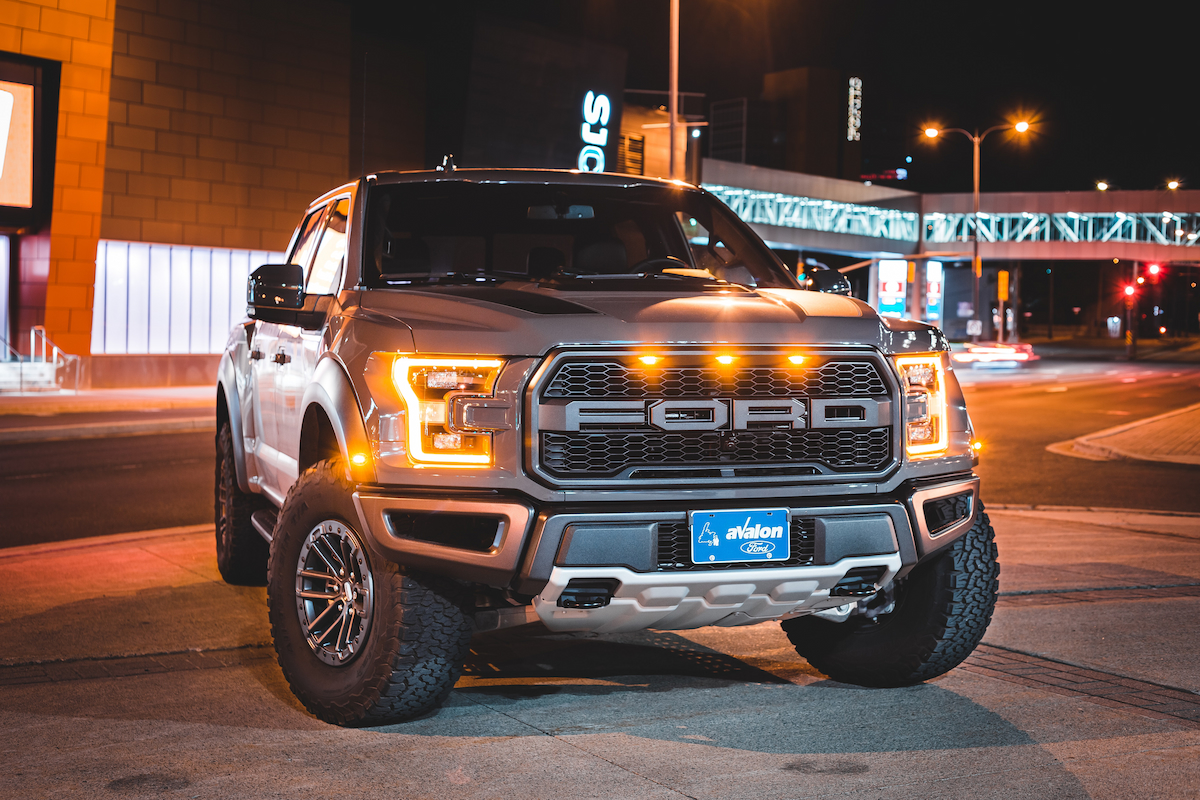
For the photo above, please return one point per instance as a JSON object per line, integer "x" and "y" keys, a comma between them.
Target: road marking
{"x": 1057, "y": 389}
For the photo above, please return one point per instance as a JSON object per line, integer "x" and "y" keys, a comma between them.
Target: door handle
{"x": 256, "y": 355}
{"x": 282, "y": 358}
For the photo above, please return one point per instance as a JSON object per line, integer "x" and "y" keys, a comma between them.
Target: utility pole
{"x": 1050, "y": 307}
{"x": 673, "y": 88}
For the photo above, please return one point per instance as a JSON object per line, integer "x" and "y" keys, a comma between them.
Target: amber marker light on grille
{"x": 726, "y": 360}
{"x": 797, "y": 360}
{"x": 427, "y": 386}
{"x": 649, "y": 361}
{"x": 926, "y": 432}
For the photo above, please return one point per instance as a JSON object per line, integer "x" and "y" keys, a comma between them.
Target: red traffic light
{"x": 1129, "y": 291}
{"x": 1153, "y": 269}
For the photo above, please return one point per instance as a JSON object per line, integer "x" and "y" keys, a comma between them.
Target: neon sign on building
{"x": 854, "y": 110}
{"x": 596, "y": 111}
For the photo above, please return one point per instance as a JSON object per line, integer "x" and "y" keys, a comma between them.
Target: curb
{"x": 1087, "y": 447}
{"x": 101, "y": 430}
{"x": 1095, "y": 509}
{"x": 101, "y": 541}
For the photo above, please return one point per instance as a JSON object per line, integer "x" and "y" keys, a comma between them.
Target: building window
{"x": 631, "y": 154}
{"x": 159, "y": 298}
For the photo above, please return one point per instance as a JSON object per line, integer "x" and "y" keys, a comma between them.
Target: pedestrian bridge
{"x": 808, "y": 212}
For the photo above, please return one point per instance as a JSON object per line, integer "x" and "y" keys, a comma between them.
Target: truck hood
{"x": 532, "y": 320}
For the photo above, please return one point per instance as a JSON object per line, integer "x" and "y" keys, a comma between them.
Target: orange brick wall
{"x": 226, "y": 119}
{"x": 79, "y": 33}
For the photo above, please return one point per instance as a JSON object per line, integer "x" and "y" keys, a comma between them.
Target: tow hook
{"x": 588, "y": 592}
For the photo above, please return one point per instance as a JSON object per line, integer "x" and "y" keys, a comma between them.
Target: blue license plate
{"x": 726, "y": 537}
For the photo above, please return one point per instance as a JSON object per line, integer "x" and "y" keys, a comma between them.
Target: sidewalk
{"x": 48, "y": 416}
{"x": 1172, "y": 437}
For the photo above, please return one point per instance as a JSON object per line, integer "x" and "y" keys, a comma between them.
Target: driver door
{"x": 302, "y": 348}
{"x": 267, "y": 355}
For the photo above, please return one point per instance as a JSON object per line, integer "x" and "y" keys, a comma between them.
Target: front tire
{"x": 942, "y": 610}
{"x": 241, "y": 551}
{"x": 360, "y": 641}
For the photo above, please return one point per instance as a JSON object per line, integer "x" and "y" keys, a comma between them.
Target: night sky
{"x": 1114, "y": 93}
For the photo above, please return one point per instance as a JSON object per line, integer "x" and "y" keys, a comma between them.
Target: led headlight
{"x": 925, "y": 429}
{"x": 435, "y": 392}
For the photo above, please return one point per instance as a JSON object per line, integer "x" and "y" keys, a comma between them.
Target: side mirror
{"x": 274, "y": 286}
{"x": 275, "y": 293}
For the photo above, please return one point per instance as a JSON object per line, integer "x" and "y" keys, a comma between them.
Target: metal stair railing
{"x": 42, "y": 352}
{"x": 64, "y": 363}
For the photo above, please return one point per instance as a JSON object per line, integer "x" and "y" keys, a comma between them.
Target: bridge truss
{"x": 1169, "y": 228}
{"x": 812, "y": 214}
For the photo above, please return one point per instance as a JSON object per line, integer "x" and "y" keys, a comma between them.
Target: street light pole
{"x": 976, "y": 264}
{"x": 673, "y": 88}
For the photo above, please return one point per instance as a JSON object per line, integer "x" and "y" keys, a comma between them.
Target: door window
{"x": 325, "y": 275}
{"x": 307, "y": 239}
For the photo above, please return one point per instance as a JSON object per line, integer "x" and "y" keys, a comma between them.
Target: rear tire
{"x": 403, "y": 637}
{"x": 942, "y": 610}
{"x": 241, "y": 551}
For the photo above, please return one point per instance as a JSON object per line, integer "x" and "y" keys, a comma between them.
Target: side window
{"x": 326, "y": 272}
{"x": 309, "y": 230}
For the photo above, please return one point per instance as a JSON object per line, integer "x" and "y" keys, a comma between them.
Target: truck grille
{"x": 607, "y": 454}
{"x": 613, "y": 379}
{"x": 675, "y": 548}
{"x": 690, "y": 415}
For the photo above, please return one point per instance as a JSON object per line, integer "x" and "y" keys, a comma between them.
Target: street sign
{"x": 974, "y": 327}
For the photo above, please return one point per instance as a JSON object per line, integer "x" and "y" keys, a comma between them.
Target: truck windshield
{"x": 575, "y": 237}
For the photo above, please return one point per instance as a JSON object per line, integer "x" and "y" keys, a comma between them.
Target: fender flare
{"x": 330, "y": 389}
{"x": 227, "y": 384}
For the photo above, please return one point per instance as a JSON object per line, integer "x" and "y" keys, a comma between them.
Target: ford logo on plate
{"x": 758, "y": 548}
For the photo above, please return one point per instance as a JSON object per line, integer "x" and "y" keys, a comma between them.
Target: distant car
{"x": 999, "y": 355}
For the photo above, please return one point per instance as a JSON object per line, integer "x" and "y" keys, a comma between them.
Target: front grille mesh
{"x": 675, "y": 548}
{"x": 605, "y": 454}
{"x": 614, "y": 379}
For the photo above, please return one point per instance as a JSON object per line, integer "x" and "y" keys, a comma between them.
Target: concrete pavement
{"x": 132, "y": 670}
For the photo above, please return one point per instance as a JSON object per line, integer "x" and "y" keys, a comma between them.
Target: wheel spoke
{"x": 315, "y": 625}
{"x": 309, "y": 594}
{"x": 321, "y": 545}
{"x": 318, "y": 576}
{"x": 336, "y": 629}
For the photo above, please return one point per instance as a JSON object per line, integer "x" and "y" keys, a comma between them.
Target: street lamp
{"x": 977, "y": 265}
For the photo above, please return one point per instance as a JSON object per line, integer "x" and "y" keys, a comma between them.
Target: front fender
{"x": 331, "y": 390}
{"x": 228, "y": 384}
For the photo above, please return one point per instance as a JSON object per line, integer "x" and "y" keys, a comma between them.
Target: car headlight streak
{"x": 429, "y": 386}
{"x": 925, "y": 427}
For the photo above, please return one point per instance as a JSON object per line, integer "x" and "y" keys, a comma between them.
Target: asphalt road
{"x": 53, "y": 491}
{"x": 1016, "y": 414}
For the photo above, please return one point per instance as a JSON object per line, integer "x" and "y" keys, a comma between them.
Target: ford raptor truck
{"x": 476, "y": 399}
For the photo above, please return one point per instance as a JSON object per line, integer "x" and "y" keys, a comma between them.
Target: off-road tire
{"x": 418, "y": 634}
{"x": 942, "y": 610}
{"x": 241, "y": 551}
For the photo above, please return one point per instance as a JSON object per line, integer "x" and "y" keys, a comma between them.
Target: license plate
{"x": 727, "y": 537}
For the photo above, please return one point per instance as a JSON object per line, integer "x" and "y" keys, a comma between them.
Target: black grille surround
{"x": 675, "y": 548}
{"x": 589, "y": 447}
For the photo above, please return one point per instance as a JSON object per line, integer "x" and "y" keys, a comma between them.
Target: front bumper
{"x": 537, "y": 549}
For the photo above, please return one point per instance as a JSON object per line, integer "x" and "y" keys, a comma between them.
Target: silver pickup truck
{"x": 475, "y": 399}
